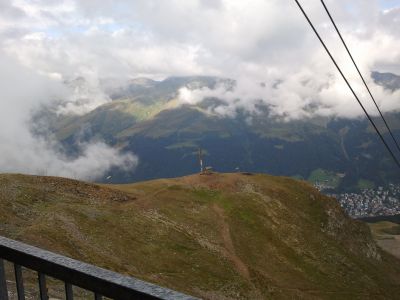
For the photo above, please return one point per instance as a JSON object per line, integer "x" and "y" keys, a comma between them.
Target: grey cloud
{"x": 9, "y": 11}
{"x": 213, "y": 4}
{"x": 252, "y": 42}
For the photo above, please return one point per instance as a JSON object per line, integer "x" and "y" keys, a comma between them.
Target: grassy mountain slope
{"x": 222, "y": 236}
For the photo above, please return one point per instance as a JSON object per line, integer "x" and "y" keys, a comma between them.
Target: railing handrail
{"x": 98, "y": 280}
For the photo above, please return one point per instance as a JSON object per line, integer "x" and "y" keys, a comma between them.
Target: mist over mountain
{"x": 149, "y": 118}
{"x": 389, "y": 81}
{"x": 93, "y": 52}
{"x": 27, "y": 144}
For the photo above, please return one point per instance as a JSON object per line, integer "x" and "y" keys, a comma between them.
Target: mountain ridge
{"x": 219, "y": 236}
{"x": 151, "y": 122}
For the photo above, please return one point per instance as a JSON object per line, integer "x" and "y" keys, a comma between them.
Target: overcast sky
{"x": 175, "y": 37}
{"x": 260, "y": 40}
{"x": 254, "y": 41}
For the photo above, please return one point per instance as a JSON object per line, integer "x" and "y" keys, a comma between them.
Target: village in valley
{"x": 371, "y": 202}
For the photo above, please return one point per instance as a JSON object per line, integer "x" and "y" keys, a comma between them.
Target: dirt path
{"x": 228, "y": 244}
{"x": 342, "y": 134}
{"x": 391, "y": 244}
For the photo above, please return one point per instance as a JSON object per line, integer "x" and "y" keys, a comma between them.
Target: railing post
{"x": 3, "y": 282}
{"x": 42, "y": 286}
{"x": 101, "y": 283}
{"x": 69, "y": 294}
{"x": 19, "y": 282}
{"x": 97, "y": 296}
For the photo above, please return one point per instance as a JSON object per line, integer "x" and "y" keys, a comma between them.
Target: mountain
{"x": 388, "y": 80}
{"x": 218, "y": 236}
{"x": 146, "y": 118}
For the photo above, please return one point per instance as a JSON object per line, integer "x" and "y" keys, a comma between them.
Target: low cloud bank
{"x": 22, "y": 92}
{"x": 297, "y": 96}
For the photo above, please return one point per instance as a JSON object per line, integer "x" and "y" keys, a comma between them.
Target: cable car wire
{"x": 362, "y": 77}
{"x": 348, "y": 84}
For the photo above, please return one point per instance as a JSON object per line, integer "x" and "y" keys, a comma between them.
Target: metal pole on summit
{"x": 201, "y": 161}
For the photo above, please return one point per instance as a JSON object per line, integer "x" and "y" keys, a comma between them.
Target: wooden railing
{"x": 101, "y": 282}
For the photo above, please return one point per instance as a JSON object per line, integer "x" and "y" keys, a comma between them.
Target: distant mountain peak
{"x": 142, "y": 81}
{"x": 389, "y": 81}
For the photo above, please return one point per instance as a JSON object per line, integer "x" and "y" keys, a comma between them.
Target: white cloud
{"x": 261, "y": 41}
{"x": 85, "y": 94}
{"x": 22, "y": 91}
{"x": 303, "y": 94}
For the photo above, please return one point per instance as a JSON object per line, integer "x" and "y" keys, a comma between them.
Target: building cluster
{"x": 323, "y": 185}
{"x": 371, "y": 202}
